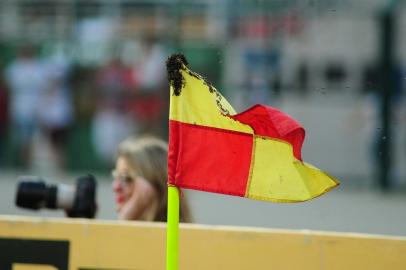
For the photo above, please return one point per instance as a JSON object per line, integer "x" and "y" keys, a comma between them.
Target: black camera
{"x": 77, "y": 200}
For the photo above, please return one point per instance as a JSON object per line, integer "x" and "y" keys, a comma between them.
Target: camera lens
{"x": 32, "y": 193}
{"x": 77, "y": 200}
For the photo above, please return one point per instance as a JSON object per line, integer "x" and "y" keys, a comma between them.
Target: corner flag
{"x": 254, "y": 154}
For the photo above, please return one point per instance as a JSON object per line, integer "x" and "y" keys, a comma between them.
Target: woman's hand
{"x": 141, "y": 203}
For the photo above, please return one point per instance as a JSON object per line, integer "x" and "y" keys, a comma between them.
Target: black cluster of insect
{"x": 177, "y": 62}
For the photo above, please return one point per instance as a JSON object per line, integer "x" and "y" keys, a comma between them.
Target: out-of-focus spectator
{"x": 26, "y": 80}
{"x": 109, "y": 128}
{"x": 151, "y": 72}
{"x": 112, "y": 122}
{"x": 57, "y": 116}
{"x": 149, "y": 103}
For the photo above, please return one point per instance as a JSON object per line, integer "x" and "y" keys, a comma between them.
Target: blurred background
{"x": 78, "y": 76}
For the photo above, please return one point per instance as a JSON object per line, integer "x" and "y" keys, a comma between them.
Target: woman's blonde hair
{"x": 147, "y": 156}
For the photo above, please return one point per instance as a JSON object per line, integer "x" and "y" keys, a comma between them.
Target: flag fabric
{"x": 254, "y": 154}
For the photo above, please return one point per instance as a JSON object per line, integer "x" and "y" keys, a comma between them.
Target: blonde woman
{"x": 140, "y": 178}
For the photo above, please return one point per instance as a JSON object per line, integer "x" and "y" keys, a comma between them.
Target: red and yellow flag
{"x": 254, "y": 154}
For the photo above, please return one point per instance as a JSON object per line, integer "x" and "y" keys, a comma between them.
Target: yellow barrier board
{"x": 79, "y": 244}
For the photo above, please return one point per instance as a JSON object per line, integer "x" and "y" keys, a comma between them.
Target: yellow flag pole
{"x": 172, "y": 229}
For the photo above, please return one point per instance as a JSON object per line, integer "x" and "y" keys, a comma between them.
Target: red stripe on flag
{"x": 270, "y": 122}
{"x": 209, "y": 159}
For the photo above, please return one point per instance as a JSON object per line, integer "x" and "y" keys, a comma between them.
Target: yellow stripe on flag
{"x": 276, "y": 175}
{"x": 197, "y": 105}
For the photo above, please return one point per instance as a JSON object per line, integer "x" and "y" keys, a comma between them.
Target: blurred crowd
{"x": 49, "y": 104}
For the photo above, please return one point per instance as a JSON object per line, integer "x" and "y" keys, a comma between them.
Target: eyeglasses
{"x": 124, "y": 178}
